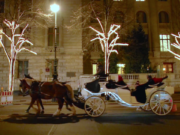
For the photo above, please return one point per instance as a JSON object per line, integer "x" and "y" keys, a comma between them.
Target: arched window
{"x": 163, "y": 17}
{"x": 119, "y": 17}
{"x": 141, "y": 17}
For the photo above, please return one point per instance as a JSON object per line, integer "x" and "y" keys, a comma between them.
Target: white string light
{"x": 107, "y": 47}
{"x": 15, "y": 48}
{"x": 176, "y": 45}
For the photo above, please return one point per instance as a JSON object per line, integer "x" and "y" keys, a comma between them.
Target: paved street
{"x": 116, "y": 120}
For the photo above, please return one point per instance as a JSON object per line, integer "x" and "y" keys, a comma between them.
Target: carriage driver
{"x": 100, "y": 69}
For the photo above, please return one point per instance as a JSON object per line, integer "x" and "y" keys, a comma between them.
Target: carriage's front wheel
{"x": 94, "y": 106}
{"x": 161, "y": 102}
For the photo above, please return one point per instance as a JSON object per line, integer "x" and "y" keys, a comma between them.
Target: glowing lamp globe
{"x": 54, "y": 8}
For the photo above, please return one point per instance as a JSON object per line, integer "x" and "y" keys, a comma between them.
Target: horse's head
{"x": 25, "y": 85}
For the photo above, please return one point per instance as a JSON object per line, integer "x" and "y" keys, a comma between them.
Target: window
{"x": 117, "y": 0}
{"x": 163, "y": 17}
{"x": 1, "y": 6}
{"x": 141, "y": 17}
{"x": 51, "y": 37}
{"x": 50, "y": 66}
{"x": 164, "y": 42}
{"x": 168, "y": 67}
{"x": 119, "y": 17}
{"x": 140, "y": 0}
{"x": 94, "y": 68}
{"x": 22, "y": 68}
{"x": 121, "y": 68}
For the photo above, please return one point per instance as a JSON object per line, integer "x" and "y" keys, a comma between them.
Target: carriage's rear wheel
{"x": 161, "y": 102}
{"x": 94, "y": 106}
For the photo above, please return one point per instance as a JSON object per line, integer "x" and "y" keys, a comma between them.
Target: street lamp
{"x": 55, "y": 9}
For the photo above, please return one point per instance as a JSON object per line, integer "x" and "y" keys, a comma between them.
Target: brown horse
{"x": 49, "y": 90}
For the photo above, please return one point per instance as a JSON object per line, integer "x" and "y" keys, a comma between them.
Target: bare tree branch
{"x": 5, "y": 50}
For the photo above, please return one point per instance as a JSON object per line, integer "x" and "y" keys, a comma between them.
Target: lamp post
{"x": 55, "y": 9}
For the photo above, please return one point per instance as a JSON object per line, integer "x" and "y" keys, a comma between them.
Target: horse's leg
{"x": 67, "y": 105}
{"x": 72, "y": 106}
{"x": 28, "y": 108}
{"x": 31, "y": 104}
{"x": 40, "y": 101}
{"x": 38, "y": 105}
{"x": 60, "y": 103}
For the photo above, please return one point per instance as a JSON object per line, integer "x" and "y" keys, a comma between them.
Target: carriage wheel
{"x": 161, "y": 102}
{"x": 94, "y": 106}
{"x": 146, "y": 107}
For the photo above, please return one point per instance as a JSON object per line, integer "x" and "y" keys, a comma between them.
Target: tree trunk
{"x": 11, "y": 74}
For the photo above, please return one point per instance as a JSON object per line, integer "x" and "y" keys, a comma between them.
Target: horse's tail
{"x": 70, "y": 93}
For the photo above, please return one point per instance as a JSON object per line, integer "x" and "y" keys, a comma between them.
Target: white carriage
{"x": 158, "y": 99}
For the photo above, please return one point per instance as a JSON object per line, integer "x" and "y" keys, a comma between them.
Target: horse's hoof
{"x": 72, "y": 114}
{"x": 42, "y": 112}
{"x": 27, "y": 111}
{"x": 54, "y": 115}
{"x": 69, "y": 109}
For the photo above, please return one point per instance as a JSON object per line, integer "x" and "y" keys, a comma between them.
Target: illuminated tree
{"x": 176, "y": 45}
{"x": 28, "y": 14}
{"x": 16, "y": 41}
{"x": 108, "y": 44}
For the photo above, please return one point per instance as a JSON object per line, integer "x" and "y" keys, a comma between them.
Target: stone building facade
{"x": 158, "y": 19}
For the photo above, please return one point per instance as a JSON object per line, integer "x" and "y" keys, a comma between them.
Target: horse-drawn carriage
{"x": 93, "y": 95}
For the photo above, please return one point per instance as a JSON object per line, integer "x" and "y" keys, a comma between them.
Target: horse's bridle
{"x": 27, "y": 88}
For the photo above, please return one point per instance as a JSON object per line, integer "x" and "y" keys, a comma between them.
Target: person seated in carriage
{"x": 152, "y": 81}
{"x": 120, "y": 83}
{"x": 139, "y": 91}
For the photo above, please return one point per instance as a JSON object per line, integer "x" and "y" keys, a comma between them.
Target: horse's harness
{"x": 33, "y": 91}
{"x": 39, "y": 92}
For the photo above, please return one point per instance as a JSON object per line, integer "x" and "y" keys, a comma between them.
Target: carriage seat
{"x": 113, "y": 85}
{"x": 93, "y": 86}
